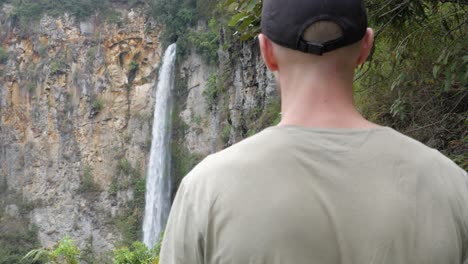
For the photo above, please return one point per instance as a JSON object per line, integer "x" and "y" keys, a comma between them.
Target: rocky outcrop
{"x": 244, "y": 91}
{"x": 76, "y": 104}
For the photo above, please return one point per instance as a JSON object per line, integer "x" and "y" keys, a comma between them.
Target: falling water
{"x": 158, "y": 181}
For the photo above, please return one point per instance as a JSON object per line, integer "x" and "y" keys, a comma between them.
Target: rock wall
{"x": 245, "y": 91}
{"x": 76, "y": 106}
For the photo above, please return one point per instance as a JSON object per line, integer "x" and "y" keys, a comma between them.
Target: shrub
{"x": 3, "y": 56}
{"x": 226, "y": 134}
{"x": 207, "y": 42}
{"x": 56, "y": 66}
{"x": 212, "y": 91}
{"x": 133, "y": 67}
{"x": 137, "y": 253}
{"x": 124, "y": 166}
{"x": 91, "y": 55}
{"x": 65, "y": 252}
{"x": 97, "y": 105}
{"x": 28, "y": 11}
{"x": 177, "y": 17}
{"x": 88, "y": 184}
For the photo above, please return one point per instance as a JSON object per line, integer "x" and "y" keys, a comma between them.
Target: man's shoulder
{"x": 428, "y": 165}
{"x": 418, "y": 154}
{"x": 238, "y": 160}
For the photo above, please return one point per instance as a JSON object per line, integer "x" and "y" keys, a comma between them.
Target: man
{"x": 326, "y": 186}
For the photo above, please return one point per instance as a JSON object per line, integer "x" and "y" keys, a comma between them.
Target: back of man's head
{"x": 303, "y": 33}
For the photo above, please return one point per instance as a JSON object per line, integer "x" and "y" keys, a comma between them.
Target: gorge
{"x": 84, "y": 133}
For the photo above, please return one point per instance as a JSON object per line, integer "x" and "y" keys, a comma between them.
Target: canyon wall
{"x": 76, "y": 106}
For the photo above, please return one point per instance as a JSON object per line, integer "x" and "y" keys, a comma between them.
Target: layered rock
{"x": 76, "y": 102}
{"x": 245, "y": 90}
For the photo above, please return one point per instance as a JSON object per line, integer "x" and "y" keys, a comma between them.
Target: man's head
{"x": 328, "y": 34}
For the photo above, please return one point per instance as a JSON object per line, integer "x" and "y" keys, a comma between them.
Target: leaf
{"x": 236, "y": 19}
{"x": 229, "y": 2}
{"x": 398, "y": 81}
{"x": 441, "y": 57}
{"x": 251, "y": 5}
{"x": 448, "y": 80}
{"x": 435, "y": 71}
{"x": 246, "y": 23}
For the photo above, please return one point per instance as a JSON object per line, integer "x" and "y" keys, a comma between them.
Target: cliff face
{"x": 76, "y": 106}
{"x": 225, "y": 102}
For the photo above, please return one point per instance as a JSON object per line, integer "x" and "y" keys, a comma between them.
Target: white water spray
{"x": 158, "y": 180}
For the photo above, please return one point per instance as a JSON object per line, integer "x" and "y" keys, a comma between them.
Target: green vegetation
{"x": 133, "y": 67}
{"x": 88, "y": 185}
{"x": 66, "y": 252}
{"x": 137, "y": 253}
{"x": 416, "y": 78}
{"x": 182, "y": 160}
{"x": 130, "y": 220}
{"x": 3, "y": 56}
{"x": 17, "y": 234}
{"x": 87, "y": 255}
{"x": 29, "y": 11}
{"x": 213, "y": 90}
{"x": 226, "y": 134}
{"x": 56, "y": 66}
{"x": 16, "y": 239}
{"x": 31, "y": 87}
{"x": 247, "y": 17}
{"x": 177, "y": 17}
{"x": 97, "y": 104}
{"x": 91, "y": 55}
{"x": 206, "y": 43}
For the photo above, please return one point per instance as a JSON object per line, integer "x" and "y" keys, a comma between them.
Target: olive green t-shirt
{"x": 293, "y": 195}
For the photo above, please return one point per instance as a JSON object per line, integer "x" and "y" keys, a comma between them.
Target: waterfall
{"x": 158, "y": 180}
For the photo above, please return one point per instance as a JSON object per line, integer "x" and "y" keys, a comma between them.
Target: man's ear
{"x": 266, "y": 46}
{"x": 366, "y": 46}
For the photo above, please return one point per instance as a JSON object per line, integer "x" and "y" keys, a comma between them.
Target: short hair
{"x": 322, "y": 31}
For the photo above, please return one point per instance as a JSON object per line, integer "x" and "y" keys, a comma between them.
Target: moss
{"x": 29, "y": 11}
{"x": 226, "y": 134}
{"x": 3, "y": 56}
{"x": 130, "y": 220}
{"x": 182, "y": 160}
{"x": 213, "y": 90}
{"x": 97, "y": 104}
{"x": 56, "y": 66}
{"x": 88, "y": 185}
{"x": 124, "y": 166}
{"x": 259, "y": 119}
{"x": 206, "y": 43}
{"x": 17, "y": 234}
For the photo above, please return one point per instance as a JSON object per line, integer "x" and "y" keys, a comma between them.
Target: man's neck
{"x": 322, "y": 102}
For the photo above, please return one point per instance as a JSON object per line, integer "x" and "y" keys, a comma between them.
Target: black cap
{"x": 285, "y": 21}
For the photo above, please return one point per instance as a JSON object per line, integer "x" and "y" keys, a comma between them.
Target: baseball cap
{"x": 285, "y": 22}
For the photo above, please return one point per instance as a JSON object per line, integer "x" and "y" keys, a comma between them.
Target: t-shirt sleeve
{"x": 465, "y": 178}
{"x": 462, "y": 205}
{"x": 182, "y": 243}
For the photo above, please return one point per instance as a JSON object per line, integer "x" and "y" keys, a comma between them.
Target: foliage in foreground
{"x": 416, "y": 79}
{"x": 66, "y": 252}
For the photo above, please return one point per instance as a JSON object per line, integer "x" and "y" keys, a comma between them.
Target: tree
{"x": 66, "y": 252}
